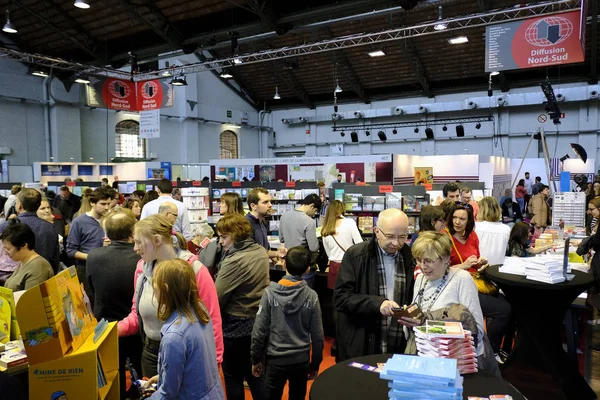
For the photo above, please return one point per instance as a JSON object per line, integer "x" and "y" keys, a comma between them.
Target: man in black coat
{"x": 68, "y": 203}
{"x": 375, "y": 277}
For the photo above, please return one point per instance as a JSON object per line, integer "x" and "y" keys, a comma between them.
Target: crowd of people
{"x": 188, "y": 306}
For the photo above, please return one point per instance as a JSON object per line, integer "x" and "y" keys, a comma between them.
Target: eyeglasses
{"x": 592, "y": 208}
{"x": 391, "y": 238}
{"x": 175, "y": 215}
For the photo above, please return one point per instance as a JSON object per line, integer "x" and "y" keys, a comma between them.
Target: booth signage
{"x": 290, "y": 184}
{"x": 535, "y": 42}
{"x": 56, "y": 170}
{"x": 196, "y": 183}
{"x": 236, "y": 184}
{"x": 386, "y": 188}
{"x": 121, "y": 94}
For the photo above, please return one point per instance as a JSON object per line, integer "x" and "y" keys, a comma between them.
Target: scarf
{"x": 392, "y": 335}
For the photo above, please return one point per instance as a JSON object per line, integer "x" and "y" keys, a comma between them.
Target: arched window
{"x": 229, "y": 145}
{"x": 128, "y": 143}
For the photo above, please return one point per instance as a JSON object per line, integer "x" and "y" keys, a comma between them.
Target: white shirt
{"x": 182, "y": 223}
{"x": 347, "y": 234}
{"x": 529, "y": 185}
{"x": 493, "y": 240}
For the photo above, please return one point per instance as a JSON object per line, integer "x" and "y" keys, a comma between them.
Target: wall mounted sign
{"x": 535, "y": 42}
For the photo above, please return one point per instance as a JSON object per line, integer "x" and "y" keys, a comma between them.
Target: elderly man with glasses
{"x": 375, "y": 277}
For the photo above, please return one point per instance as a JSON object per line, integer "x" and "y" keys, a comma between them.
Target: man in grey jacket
{"x": 288, "y": 320}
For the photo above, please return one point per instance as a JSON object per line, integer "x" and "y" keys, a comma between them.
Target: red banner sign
{"x": 290, "y": 184}
{"x": 236, "y": 184}
{"x": 385, "y": 188}
{"x": 121, "y": 94}
{"x": 196, "y": 183}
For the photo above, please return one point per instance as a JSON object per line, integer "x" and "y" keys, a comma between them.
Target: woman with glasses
{"x": 466, "y": 255}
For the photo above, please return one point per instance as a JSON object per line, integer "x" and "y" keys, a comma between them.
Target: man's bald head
{"x": 392, "y": 230}
{"x": 119, "y": 225}
{"x": 169, "y": 210}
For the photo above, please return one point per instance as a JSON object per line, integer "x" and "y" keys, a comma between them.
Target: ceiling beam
{"x": 594, "y": 35}
{"x": 83, "y": 40}
{"x": 484, "y": 5}
{"x": 268, "y": 16}
{"x": 292, "y": 82}
{"x": 340, "y": 58}
{"x": 159, "y": 23}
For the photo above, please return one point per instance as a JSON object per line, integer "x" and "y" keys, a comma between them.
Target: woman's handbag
{"x": 484, "y": 285}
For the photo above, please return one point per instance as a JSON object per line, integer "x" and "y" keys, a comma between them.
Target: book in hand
{"x": 411, "y": 311}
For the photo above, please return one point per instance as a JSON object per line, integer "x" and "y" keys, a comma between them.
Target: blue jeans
{"x": 521, "y": 201}
{"x": 309, "y": 277}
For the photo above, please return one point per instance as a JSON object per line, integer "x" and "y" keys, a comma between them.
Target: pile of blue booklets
{"x": 413, "y": 377}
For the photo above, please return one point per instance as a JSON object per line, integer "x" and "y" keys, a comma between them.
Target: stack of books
{"x": 422, "y": 378}
{"x": 13, "y": 359}
{"x": 513, "y": 265}
{"x": 445, "y": 339}
{"x": 544, "y": 270}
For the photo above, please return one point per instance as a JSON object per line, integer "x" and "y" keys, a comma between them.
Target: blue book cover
{"x": 440, "y": 369}
{"x": 423, "y": 394}
{"x": 406, "y": 385}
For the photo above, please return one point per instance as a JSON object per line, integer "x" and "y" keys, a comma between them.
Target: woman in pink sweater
{"x": 520, "y": 193}
{"x": 155, "y": 242}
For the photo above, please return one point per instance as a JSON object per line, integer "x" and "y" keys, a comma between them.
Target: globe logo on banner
{"x": 149, "y": 89}
{"x": 549, "y": 31}
{"x": 119, "y": 89}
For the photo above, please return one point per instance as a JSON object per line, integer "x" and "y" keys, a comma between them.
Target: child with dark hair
{"x": 288, "y": 320}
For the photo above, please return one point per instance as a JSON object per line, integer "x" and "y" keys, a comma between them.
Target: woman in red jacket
{"x": 520, "y": 193}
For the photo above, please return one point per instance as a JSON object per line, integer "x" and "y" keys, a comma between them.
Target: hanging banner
{"x": 55, "y": 170}
{"x": 423, "y": 175}
{"x": 150, "y": 124}
{"x": 120, "y": 94}
{"x": 152, "y": 95}
{"x": 535, "y": 42}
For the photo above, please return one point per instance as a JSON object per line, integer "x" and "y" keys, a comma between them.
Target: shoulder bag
{"x": 484, "y": 285}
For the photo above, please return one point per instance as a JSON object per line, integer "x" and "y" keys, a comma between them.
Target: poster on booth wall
{"x": 535, "y": 42}
{"x": 423, "y": 175}
{"x": 150, "y": 124}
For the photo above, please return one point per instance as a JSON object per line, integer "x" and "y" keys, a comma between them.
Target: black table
{"x": 539, "y": 310}
{"x": 341, "y": 382}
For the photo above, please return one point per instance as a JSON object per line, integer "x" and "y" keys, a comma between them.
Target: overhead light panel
{"x": 440, "y": 26}
{"x": 458, "y": 40}
{"x": 226, "y": 75}
{"x": 40, "y": 73}
{"x": 8, "y": 26}
{"x": 82, "y": 80}
{"x": 81, "y": 4}
{"x": 338, "y": 89}
{"x": 277, "y": 96}
{"x": 376, "y": 53}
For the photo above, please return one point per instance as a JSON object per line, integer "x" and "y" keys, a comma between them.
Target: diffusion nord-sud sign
{"x": 536, "y": 42}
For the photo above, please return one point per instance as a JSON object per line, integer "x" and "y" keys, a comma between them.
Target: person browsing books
{"x": 375, "y": 277}
{"x": 186, "y": 362}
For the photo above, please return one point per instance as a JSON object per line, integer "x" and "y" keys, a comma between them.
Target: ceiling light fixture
{"x": 167, "y": 74}
{"x": 494, "y": 73}
{"x": 81, "y": 4}
{"x": 444, "y": 128}
{"x": 179, "y": 81}
{"x": 8, "y": 26}
{"x": 338, "y": 89}
{"x": 342, "y": 134}
{"x": 354, "y": 137}
{"x": 429, "y": 133}
{"x": 277, "y": 96}
{"x": 417, "y": 130}
{"x": 40, "y": 73}
{"x": 440, "y": 26}
{"x": 226, "y": 75}
{"x": 82, "y": 80}
{"x": 478, "y": 125}
{"x": 382, "y": 136}
{"x": 376, "y": 53}
{"x": 395, "y": 131}
{"x": 367, "y": 133}
{"x": 458, "y": 40}
{"x": 237, "y": 61}
{"x": 460, "y": 131}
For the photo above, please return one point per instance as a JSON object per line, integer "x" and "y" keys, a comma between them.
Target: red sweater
{"x": 470, "y": 248}
{"x": 520, "y": 192}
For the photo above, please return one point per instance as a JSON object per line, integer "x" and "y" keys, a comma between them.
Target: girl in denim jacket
{"x": 187, "y": 367}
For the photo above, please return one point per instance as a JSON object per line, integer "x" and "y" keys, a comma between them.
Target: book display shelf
{"x": 285, "y": 197}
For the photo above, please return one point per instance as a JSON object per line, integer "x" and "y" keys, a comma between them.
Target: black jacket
{"x": 357, "y": 301}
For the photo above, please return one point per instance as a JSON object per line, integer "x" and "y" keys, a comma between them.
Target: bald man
{"x": 375, "y": 277}
{"x": 169, "y": 210}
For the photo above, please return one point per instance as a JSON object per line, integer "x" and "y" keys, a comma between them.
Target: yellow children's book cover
{"x": 7, "y": 313}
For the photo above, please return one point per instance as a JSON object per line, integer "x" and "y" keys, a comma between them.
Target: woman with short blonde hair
{"x": 493, "y": 235}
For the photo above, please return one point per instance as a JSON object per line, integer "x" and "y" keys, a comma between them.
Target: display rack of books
{"x": 197, "y": 201}
{"x": 241, "y": 188}
{"x": 363, "y": 203}
{"x": 69, "y": 352}
{"x": 76, "y": 188}
{"x": 570, "y": 207}
{"x": 285, "y": 197}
